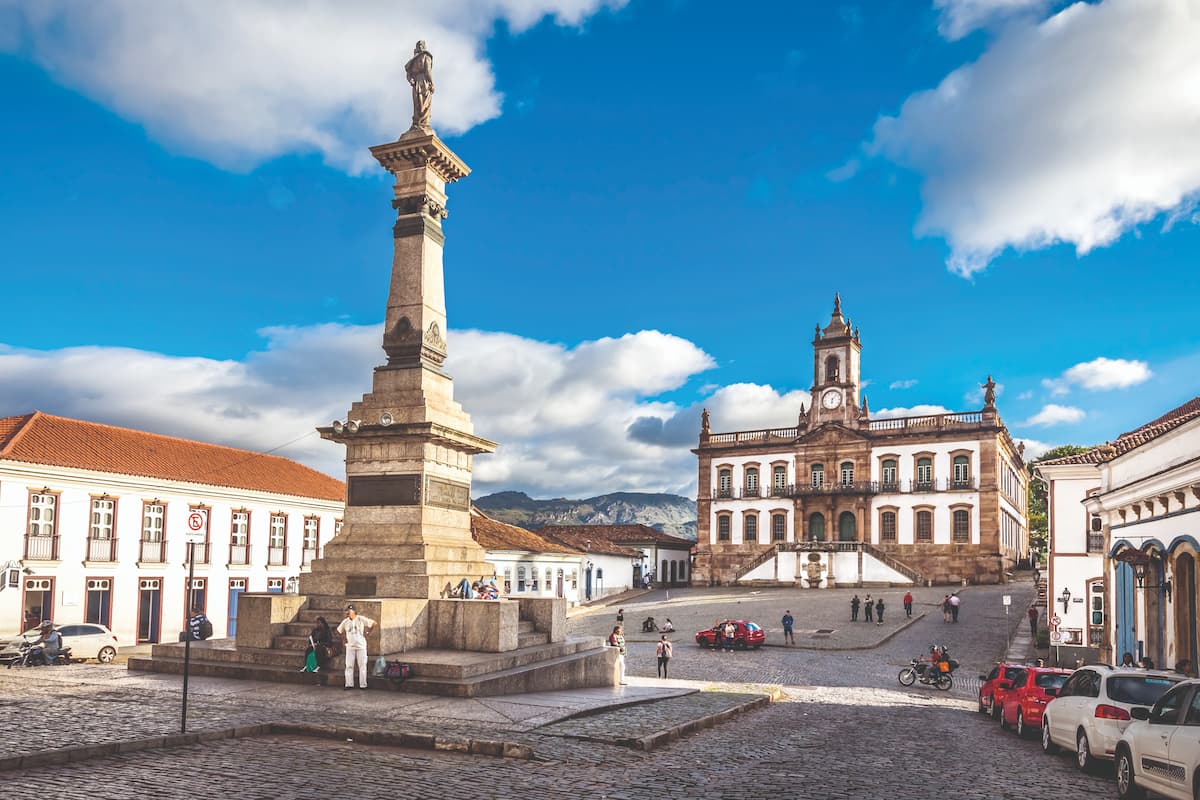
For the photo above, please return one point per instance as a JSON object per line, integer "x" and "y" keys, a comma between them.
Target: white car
{"x": 1160, "y": 750}
{"x": 86, "y": 640}
{"x": 1091, "y": 711}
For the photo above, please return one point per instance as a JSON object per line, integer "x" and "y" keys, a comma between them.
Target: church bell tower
{"x": 837, "y": 353}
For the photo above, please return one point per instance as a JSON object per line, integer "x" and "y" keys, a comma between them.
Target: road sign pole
{"x": 187, "y": 634}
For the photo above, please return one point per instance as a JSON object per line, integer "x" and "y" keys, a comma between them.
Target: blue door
{"x": 236, "y": 587}
{"x": 1126, "y": 639}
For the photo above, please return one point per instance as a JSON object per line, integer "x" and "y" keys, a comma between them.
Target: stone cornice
{"x": 415, "y": 149}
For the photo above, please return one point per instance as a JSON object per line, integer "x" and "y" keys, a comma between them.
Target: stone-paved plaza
{"x": 842, "y": 727}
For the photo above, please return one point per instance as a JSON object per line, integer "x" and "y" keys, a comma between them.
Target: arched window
{"x": 924, "y": 473}
{"x": 847, "y": 527}
{"x": 832, "y": 373}
{"x": 723, "y": 525}
{"x": 818, "y": 475}
{"x": 750, "y": 527}
{"x": 724, "y": 482}
{"x": 779, "y": 478}
{"x": 924, "y": 526}
{"x": 816, "y": 527}
{"x": 962, "y": 472}
{"x": 962, "y": 525}
{"x": 847, "y": 473}
{"x": 891, "y": 474}
{"x": 779, "y": 527}
{"x": 887, "y": 526}
{"x": 752, "y": 481}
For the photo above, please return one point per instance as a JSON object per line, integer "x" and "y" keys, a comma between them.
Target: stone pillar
{"x": 409, "y": 445}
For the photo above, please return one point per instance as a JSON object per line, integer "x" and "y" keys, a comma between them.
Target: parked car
{"x": 1091, "y": 711}
{"x": 995, "y": 685}
{"x": 1160, "y": 749}
{"x": 748, "y": 635}
{"x": 86, "y": 640}
{"x": 1031, "y": 690}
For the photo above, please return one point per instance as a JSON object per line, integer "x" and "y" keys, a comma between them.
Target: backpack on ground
{"x": 206, "y": 628}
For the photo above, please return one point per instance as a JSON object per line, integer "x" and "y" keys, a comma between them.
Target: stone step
{"x": 532, "y": 639}
{"x": 584, "y": 669}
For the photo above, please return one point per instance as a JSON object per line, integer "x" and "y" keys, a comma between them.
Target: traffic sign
{"x": 1055, "y": 636}
{"x": 1056, "y": 620}
{"x": 197, "y": 523}
{"x": 1008, "y": 599}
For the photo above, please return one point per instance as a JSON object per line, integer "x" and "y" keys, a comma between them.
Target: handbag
{"x": 397, "y": 671}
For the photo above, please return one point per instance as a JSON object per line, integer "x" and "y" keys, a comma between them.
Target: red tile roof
{"x": 1135, "y": 438}
{"x": 492, "y": 534}
{"x": 619, "y": 534}
{"x": 587, "y": 538}
{"x": 39, "y": 438}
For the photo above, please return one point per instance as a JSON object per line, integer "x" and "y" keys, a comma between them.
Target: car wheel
{"x": 982, "y": 707}
{"x": 908, "y": 676}
{"x": 994, "y": 708}
{"x": 106, "y": 655}
{"x": 1083, "y": 752}
{"x": 1048, "y": 745}
{"x": 1127, "y": 788}
{"x": 740, "y": 644}
{"x": 1003, "y": 721}
{"x": 1022, "y": 731}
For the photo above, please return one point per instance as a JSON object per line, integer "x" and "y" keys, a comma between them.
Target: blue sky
{"x": 665, "y": 197}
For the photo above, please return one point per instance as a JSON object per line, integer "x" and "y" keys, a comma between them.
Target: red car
{"x": 995, "y": 685}
{"x": 748, "y": 635}
{"x": 1027, "y": 699}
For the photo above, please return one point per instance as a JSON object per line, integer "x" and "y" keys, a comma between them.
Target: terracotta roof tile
{"x": 492, "y": 534}
{"x": 1134, "y": 438}
{"x": 39, "y": 438}
{"x": 619, "y": 534}
{"x": 587, "y": 538}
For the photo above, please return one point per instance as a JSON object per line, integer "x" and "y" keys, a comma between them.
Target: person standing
{"x": 946, "y": 608}
{"x": 868, "y": 609}
{"x": 354, "y": 631}
{"x": 908, "y": 604}
{"x": 1032, "y": 613}
{"x": 955, "y": 601}
{"x": 664, "y": 652}
{"x": 788, "y": 622}
{"x": 854, "y": 604}
{"x": 617, "y": 639}
{"x": 730, "y": 635}
{"x": 879, "y": 611}
{"x": 620, "y": 616}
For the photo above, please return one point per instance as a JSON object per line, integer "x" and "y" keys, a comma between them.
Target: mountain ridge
{"x": 669, "y": 513}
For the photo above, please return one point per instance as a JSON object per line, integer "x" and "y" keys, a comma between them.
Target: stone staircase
{"x": 536, "y": 665}
{"x": 894, "y": 563}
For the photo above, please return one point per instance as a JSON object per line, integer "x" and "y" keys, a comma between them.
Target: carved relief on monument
{"x": 433, "y": 338}
{"x": 420, "y": 204}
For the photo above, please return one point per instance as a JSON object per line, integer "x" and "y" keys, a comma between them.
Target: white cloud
{"x": 904, "y": 384}
{"x": 913, "y": 411}
{"x": 1071, "y": 131}
{"x": 238, "y": 82}
{"x": 1026, "y": 395}
{"x": 1108, "y": 373}
{"x": 1053, "y": 414}
{"x": 1034, "y": 448}
{"x": 960, "y": 17}
{"x": 561, "y": 414}
{"x": 737, "y": 407}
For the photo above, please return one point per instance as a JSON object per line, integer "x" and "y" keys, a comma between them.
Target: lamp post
{"x": 1065, "y": 599}
{"x": 1140, "y": 575}
{"x": 197, "y": 524}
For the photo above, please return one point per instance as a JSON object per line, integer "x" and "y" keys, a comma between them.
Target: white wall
{"x": 75, "y": 487}
{"x": 507, "y": 563}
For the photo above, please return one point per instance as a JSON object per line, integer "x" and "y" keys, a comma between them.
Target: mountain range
{"x": 669, "y": 513}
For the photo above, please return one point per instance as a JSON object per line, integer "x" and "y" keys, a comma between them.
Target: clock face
{"x": 831, "y": 399}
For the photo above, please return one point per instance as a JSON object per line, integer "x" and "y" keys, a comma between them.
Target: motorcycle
{"x": 928, "y": 673}
{"x": 34, "y": 656}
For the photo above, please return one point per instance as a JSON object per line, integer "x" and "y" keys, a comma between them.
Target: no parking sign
{"x": 197, "y": 524}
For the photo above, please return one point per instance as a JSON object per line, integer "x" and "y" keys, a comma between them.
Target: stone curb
{"x": 90, "y": 751}
{"x": 656, "y": 740}
{"x": 637, "y": 701}
{"x": 417, "y": 741}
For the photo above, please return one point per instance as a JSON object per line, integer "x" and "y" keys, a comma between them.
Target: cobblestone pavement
{"x": 845, "y": 729}
{"x": 620, "y": 725}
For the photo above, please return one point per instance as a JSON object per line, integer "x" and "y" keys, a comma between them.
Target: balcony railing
{"x": 309, "y": 555}
{"x": 102, "y": 550}
{"x": 901, "y": 424}
{"x": 239, "y": 554}
{"x": 276, "y": 556}
{"x": 41, "y": 548}
{"x": 752, "y": 491}
{"x": 152, "y": 552}
{"x": 852, "y": 487}
{"x": 1095, "y": 543}
{"x": 202, "y": 552}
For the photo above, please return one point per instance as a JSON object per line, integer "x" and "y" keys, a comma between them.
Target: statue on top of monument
{"x": 989, "y": 393}
{"x": 419, "y": 70}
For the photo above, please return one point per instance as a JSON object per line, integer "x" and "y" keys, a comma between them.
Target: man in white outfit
{"x": 354, "y": 631}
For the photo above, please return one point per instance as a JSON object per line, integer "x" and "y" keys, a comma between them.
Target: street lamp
{"x": 1139, "y": 574}
{"x": 1065, "y": 599}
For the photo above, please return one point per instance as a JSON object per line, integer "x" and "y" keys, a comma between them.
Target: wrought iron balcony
{"x": 1095, "y": 543}
{"x": 152, "y": 552}
{"x": 309, "y": 555}
{"x": 102, "y": 550}
{"x": 41, "y": 548}
{"x": 276, "y": 556}
{"x": 239, "y": 554}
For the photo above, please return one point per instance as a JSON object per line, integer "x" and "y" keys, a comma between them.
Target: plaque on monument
{"x": 360, "y": 586}
{"x": 446, "y": 494}
{"x": 384, "y": 490}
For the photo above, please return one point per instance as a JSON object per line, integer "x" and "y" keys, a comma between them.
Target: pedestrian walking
{"x": 955, "y": 602}
{"x": 879, "y": 611}
{"x": 1032, "y": 613}
{"x": 868, "y": 609}
{"x": 788, "y": 622}
{"x": 718, "y": 634}
{"x": 946, "y": 608}
{"x": 730, "y": 635}
{"x": 908, "y": 604}
{"x": 664, "y": 652}
{"x": 854, "y": 604}
{"x": 354, "y": 631}
{"x": 620, "y": 616}
{"x": 617, "y": 639}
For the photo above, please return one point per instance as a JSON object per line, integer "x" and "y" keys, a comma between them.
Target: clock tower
{"x": 837, "y": 353}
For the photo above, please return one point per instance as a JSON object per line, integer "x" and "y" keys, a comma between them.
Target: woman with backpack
{"x": 664, "y": 652}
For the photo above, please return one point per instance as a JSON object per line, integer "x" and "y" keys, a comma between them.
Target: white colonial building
{"x": 93, "y": 521}
{"x": 1124, "y": 543}
{"x": 843, "y": 498}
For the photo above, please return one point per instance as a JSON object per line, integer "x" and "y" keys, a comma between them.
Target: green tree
{"x": 1038, "y": 523}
